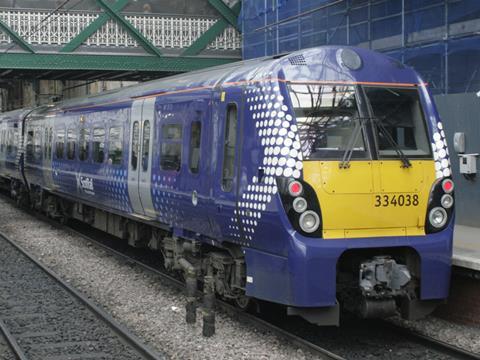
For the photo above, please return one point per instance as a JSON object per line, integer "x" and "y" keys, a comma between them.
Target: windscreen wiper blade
{"x": 347, "y": 155}
{"x": 381, "y": 128}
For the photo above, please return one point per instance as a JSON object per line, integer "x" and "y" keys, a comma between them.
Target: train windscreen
{"x": 398, "y": 115}
{"x": 328, "y": 121}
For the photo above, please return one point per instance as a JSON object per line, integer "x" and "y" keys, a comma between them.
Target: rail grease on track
{"x": 42, "y": 316}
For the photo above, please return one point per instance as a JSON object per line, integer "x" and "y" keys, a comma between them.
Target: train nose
{"x": 371, "y": 198}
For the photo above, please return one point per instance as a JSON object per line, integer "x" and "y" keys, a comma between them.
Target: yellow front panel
{"x": 348, "y": 197}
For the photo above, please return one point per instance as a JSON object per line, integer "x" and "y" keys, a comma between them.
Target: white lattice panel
{"x": 162, "y": 31}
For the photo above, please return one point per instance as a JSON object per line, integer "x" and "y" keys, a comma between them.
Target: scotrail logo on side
{"x": 86, "y": 184}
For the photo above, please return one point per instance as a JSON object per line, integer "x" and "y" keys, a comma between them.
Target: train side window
{"x": 2, "y": 145}
{"x": 195, "y": 140}
{"x": 146, "y": 145}
{"x": 30, "y": 135}
{"x": 229, "y": 148}
{"x": 45, "y": 143}
{"x": 50, "y": 142}
{"x": 37, "y": 144}
{"x": 9, "y": 142}
{"x": 135, "y": 144}
{"x": 71, "y": 143}
{"x": 115, "y": 145}
{"x": 98, "y": 145}
{"x": 60, "y": 144}
{"x": 171, "y": 150}
{"x": 84, "y": 144}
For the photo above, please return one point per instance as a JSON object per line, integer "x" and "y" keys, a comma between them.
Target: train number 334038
{"x": 396, "y": 200}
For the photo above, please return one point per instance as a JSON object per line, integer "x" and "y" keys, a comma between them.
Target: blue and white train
{"x": 315, "y": 180}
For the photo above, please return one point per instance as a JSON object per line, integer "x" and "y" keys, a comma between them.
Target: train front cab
{"x": 376, "y": 230}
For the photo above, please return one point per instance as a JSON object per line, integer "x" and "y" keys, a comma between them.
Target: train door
{"x": 47, "y": 154}
{"x": 142, "y": 126}
{"x": 228, "y": 130}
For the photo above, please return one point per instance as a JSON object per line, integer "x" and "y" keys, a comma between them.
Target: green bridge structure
{"x": 111, "y": 44}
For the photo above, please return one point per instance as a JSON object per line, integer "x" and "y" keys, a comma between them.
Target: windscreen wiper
{"x": 381, "y": 128}
{"x": 347, "y": 155}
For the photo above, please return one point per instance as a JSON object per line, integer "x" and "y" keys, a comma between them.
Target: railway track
{"x": 445, "y": 350}
{"x": 282, "y": 329}
{"x": 42, "y": 316}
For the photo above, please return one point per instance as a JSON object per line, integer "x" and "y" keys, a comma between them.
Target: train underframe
{"x": 371, "y": 283}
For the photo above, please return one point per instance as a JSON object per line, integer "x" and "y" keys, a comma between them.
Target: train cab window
{"x": 171, "y": 149}
{"x": 399, "y": 117}
{"x": 328, "y": 121}
{"x": 60, "y": 143}
{"x": 229, "y": 148}
{"x": 115, "y": 145}
{"x": 146, "y": 145}
{"x": 135, "y": 144}
{"x": 84, "y": 144}
{"x": 98, "y": 145}
{"x": 195, "y": 139}
{"x": 71, "y": 144}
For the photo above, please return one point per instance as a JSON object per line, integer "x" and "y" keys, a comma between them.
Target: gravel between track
{"x": 151, "y": 309}
{"x": 154, "y": 311}
{"x": 5, "y": 351}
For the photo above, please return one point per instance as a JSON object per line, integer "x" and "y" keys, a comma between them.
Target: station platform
{"x": 466, "y": 247}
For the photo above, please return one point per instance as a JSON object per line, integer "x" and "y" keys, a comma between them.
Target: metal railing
{"x": 169, "y": 31}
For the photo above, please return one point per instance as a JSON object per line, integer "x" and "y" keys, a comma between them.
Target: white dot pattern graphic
{"x": 280, "y": 157}
{"x": 440, "y": 153}
{"x": 166, "y": 200}
{"x": 116, "y": 187}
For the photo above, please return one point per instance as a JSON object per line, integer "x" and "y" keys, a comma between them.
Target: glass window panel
{"x": 229, "y": 148}
{"x": 115, "y": 146}
{"x": 195, "y": 140}
{"x": 98, "y": 145}
{"x": 71, "y": 144}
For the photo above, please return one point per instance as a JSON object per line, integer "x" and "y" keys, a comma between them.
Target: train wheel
{"x": 244, "y": 302}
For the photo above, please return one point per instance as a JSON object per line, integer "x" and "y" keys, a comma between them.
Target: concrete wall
{"x": 461, "y": 113}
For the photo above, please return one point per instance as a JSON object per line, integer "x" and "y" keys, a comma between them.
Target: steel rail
{"x": 446, "y": 348}
{"x": 121, "y": 331}
{"x": 428, "y": 342}
{"x": 244, "y": 317}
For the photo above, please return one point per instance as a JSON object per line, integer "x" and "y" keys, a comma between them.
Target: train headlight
{"x": 447, "y": 201}
{"x": 437, "y": 217}
{"x": 300, "y": 204}
{"x": 310, "y": 221}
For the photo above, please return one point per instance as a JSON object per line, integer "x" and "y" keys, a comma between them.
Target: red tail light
{"x": 447, "y": 186}
{"x": 295, "y": 188}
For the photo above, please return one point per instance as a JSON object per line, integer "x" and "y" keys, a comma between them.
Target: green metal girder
{"x": 16, "y": 38}
{"x": 137, "y": 35}
{"x": 208, "y": 36}
{"x": 69, "y": 62}
{"x": 93, "y": 27}
{"x": 228, "y": 14}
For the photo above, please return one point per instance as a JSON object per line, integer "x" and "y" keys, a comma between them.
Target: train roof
{"x": 316, "y": 64}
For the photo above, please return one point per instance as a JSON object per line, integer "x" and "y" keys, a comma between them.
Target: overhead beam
{"x": 84, "y": 62}
{"x": 16, "y": 38}
{"x": 228, "y": 14}
{"x": 211, "y": 34}
{"x": 137, "y": 35}
{"x": 93, "y": 27}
